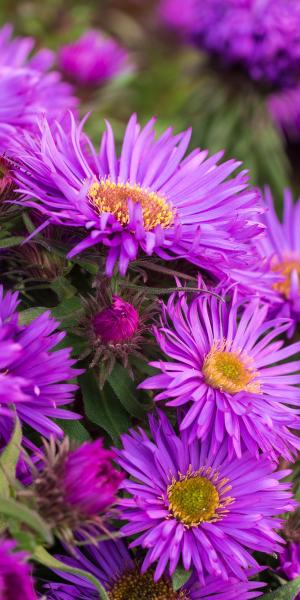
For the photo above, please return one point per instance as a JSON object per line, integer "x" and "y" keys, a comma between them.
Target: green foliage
{"x": 288, "y": 591}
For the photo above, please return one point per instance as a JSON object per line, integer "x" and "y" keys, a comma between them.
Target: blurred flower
{"x": 281, "y": 246}
{"x": 33, "y": 373}
{"x": 284, "y": 106}
{"x": 93, "y": 59}
{"x": 27, "y": 90}
{"x": 226, "y": 368}
{"x": 147, "y": 200}
{"x": 178, "y": 15}
{"x": 262, "y": 37}
{"x": 15, "y": 578}
{"x": 190, "y": 502}
{"x": 289, "y": 565}
{"x": 111, "y": 563}
{"x": 75, "y": 487}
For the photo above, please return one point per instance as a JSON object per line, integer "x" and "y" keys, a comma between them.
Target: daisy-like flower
{"x": 149, "y": 199}
{"x": 33, "y": 374}
{"x": 93, "y": 59}
{"x": 111, "y": 563}
{"x": 225, "y": 366}
{"x": 27, "y": 89}
{"x": 190, "y": 502}
{"x": 281, "y": 246}
{"x": 15, "y": 578}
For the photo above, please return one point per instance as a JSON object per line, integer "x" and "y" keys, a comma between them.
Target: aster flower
{"x": 27, "y": 89}
{"x": 15, "y": 577}
{"x": 178, "y": 15}
{"x": 149, "y": 199}
{"x": 284, "y": 106}
{"x": 260, "y": 37}
{"x": 226, "y": 368}
{"x": 58, "y": 492}
{"x": 33, "y": 374}
{"x": 93, "y": 59}
{"x": 111, "y": 563}
{"x": 290, "y": 562}
{"x": 190, "y": 502}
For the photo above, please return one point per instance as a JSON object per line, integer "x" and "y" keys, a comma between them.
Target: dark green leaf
{"x": 9, "y": 242}
{"x": 75, "y": 430}
{"x": 28, "y": 315}
{"x": 21, "y": 513}
{"x": 125, "y": 390}
{"x": 180, "y": 577}
{"x": 288, "y": 591}
{"x": 63, "y": 288}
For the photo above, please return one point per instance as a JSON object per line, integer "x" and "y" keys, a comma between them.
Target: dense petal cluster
{"x": 33, "y": 376}
{"x": 261, "y": 37}
{"x": 15, "y": 577}
{"x": 27, "y": 88}
{"x": 93, "y": 59}
{"x": 189, "y": 502}
{"x": 110, "y": 562}
{"x": 225, "y": 365}
{"x": 150, "y": 200}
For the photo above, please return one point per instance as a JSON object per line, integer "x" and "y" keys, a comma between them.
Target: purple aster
{"x": 178, "y": 15}
{"x": 190, "y": 502}
{"x": 59, "y": 494}
{"x": 116, "y": 323}
{"x": 225, "y": 366}
{"x": 27, "y": 88}
{"x": 15, "y": 577}
{"x": 284, "y": 106}
{"x": 33, "y": 374}
{"x": 281, "y": 247}
{"x": 290, "y": 563}
{"x": 149, "y": 199}
{"x": 261, "y": 36}
{"x": 93, "y": 59}
{"x": 111, "y": 563}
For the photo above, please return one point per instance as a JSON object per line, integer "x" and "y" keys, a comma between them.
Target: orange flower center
{"x": 286, "y": 268}
{"x": 230, "y": 372}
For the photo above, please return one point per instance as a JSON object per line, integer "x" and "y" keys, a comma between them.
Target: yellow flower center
{"x": 193, "y": 499}
{"x": 286, "y": 268}
{"x": 132, "y": 585}
{"x": 230, "y": 371}
{"x": 109, "y": 197}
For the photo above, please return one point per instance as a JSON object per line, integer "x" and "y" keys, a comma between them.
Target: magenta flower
{"x": 147, "y": 201}
{"x": 27, "y": 89}
{"x": 33, "y": 374}
{"x": 116, "y": 323}
{"x": 111, "y": 563}
{"x": 178, "y": 15}
{"x": 290, "y": 562}
{"x": 225, "y": 366}
{"x": 93, "y": 59}
{"x": 15, "y": 577}
{"x": 191, "y": 502}
{"x": 284, "y": 106}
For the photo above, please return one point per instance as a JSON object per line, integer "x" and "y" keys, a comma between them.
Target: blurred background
{"x": 167, "y": 76}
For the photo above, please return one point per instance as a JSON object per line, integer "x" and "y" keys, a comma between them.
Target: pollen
{"x": 285, "y": 269}
{"x": 229, "y": 371}
{"x": 193, "y": 499}
{"x": 113, "y": 198}
{"x": 132, "y": 585}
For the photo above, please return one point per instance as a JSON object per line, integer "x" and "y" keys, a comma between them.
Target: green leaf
{"x": 9, "y": 242}
{"x": 75, "y": 430}
{"x": 67, "y": 308}
{"x": 9, "y": 459}
{"x": 125, "y": 390}
{"x": 28, "y": 315}
{"x": 288, "y": 591}
{"x": 101, "y": 410}
{"x": 63, "y": 288}
{"x": 21, "y": 513}
{"x": 180, "y": 577}
{"x": 43, "y": 557}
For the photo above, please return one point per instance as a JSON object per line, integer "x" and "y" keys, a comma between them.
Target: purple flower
{"x": 178, "y": 15}
{"x": 111, "y": 563}
{"x": 225, "y": 366}
{"x": 27, "y": 89}
{"x": 32, "y": 373}
{"x": 262, "y": 37}
{"x": 191, "y": 502}
{"x": 116, "y": 323}
{"x": 72, "y": 489}
{"x": 290, "y": 562}
{"x": 284, "y": 106}
{"x": 15, "y": 578}
{"x": 148, "y": 200}
{"x": 93, "y": 59}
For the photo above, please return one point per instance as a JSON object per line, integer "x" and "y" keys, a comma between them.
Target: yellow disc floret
{"x": 230, "y": 371}
{"x": 193, "y": 499}
{"x": 285, "y": 269}
{"x": 109, "y": 197}
{"x": 132, "y": 585}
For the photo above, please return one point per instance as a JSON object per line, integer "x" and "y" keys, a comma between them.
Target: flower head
{"x": 260, "y": 37}
{"x": 33, "y": 374}
{"x": 114, "y": 567}
{"x": 178, "y": 15}
{"x": 15, "y": 577}
{"x": 149, "y": 200}
{"x": 92, "y": 59}
{"x": 226, "y": 369}
{"x": 27, "y": 89}
{"x": 116, "y": 323}
{"x": 189, "y": 501}
{"x": 75, "y": 487}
